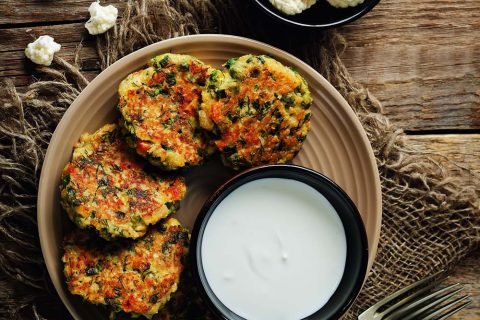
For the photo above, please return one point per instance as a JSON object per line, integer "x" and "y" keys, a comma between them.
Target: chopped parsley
{"x": 171, "y": 79}
{"x": 183, "y": 67}
{"x": 66, "y": 179}
{"x": 230, "y": 62}
{"x": 163, "y": 63}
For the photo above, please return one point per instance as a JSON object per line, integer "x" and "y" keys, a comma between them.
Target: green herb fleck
{"x": 117, "y": 290}
{"x": 91, "y": 271}
{"x": 305, "y": 105}
{"x": 148, "y": 242}
{"x": 233, "y": 73}
{"x": 164, "y": 247}
{"x": 214, "y": 77}
{"x": 220, "y": 94}
{"x": 288, "y": 101}
{"x": 183, "y": 67}
{"x": 153, "y": 298}
{"x": 77, "y": 219}
{"x": 170, "y": 206}
{"x": 165, "y": 147}
{"x": 139, "y": 193}
{"x": 135, "y": 220}
{"x": 164, "y": 61}
{"x": 233, "y": 117}
{"x": 266, "y": 106}
{"x": 66, "y": 179}
{"x": 103, "y": 182}
{"x": 171, "y": 79}
{"x": 157, "y": 90}
{"x": 72, "y": 197}
{"x": 230, "y": 62}
{"x": 167, "y": 124}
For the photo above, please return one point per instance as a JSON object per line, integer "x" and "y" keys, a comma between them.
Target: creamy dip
{"x": 274, "y": 249}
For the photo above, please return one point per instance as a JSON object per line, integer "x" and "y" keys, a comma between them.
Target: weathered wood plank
{"x": 467, "y": 273}
{"x": 422, "y": 60}
{"x": 438, "y": 22}
{"x": 50, "y": 11}
{"x": 463, "y": 149}
{"x": 15, "y": 66}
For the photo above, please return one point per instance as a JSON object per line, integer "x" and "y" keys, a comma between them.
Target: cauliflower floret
{"x": 291, "y": 7}
{"x": 345, "y": 3}
{"x": 101, "y": 18}
{"x": 41, "y": 51}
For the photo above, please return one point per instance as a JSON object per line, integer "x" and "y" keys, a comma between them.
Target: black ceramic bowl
{"x": 357, "y": 247}
{"x": 321, "y": 15}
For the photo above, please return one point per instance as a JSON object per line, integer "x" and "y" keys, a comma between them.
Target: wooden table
{"x": 420, "y": 58}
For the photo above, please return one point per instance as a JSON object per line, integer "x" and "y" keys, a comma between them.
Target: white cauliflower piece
{"x": 41, "y": 51}
{"x": 291, "y": 7}
{"x": 345, "y": 3}
{"x": 102, "y": 18}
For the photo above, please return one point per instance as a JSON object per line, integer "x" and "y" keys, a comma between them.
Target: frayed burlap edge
{"x": 430, "y": 215}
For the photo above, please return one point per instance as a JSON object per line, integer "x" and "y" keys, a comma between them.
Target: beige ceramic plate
{"x": 337, "y": 146}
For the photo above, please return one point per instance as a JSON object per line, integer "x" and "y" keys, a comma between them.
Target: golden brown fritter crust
{"x": 104, "y": 187}
{"x": 159, "y": 107}
{"x": 136, "y": 277}
{"x": 185, "y": 304}
{"x": 258, "y": 109}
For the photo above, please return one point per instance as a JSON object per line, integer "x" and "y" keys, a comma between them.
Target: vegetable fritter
{"x": 136, "y": 277}
{"x": 159, "y": 106}
{"x": 184, "y": 304}
{"x": 258, "y": 109}
{"x": 106, "y": 188}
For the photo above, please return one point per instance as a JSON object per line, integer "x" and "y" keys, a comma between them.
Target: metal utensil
{"x": 417, "y": 301}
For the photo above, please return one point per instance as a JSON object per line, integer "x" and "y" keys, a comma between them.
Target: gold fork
{"x": 420, "y": 302}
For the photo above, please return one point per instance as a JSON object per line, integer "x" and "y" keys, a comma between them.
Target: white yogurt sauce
{"x": 274, "y": 249}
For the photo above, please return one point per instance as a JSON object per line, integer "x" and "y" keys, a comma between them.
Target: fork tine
{"x": 455, "y": 310}
{"x": 426, "y": 311}
{"x": 405, "y": 300}
{"x": 448, "y": 306}
{"x": 402, "y": 291}
{"x": 403, "y": 311}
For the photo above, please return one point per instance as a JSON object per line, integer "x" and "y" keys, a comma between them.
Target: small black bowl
{"x": 321, "y": 15}
{"x": 357, "y": 247}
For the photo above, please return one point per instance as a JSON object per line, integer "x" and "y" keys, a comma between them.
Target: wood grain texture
{"x": 467, "y": 272}
{"x": 16, "y": 67}
{"x": 422, "y": 60}
{"x": 47, "y": 11}
{"x": 463, "y": 149}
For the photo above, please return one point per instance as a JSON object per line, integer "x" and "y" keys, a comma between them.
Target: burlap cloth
{"x": 430, "y": 214}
